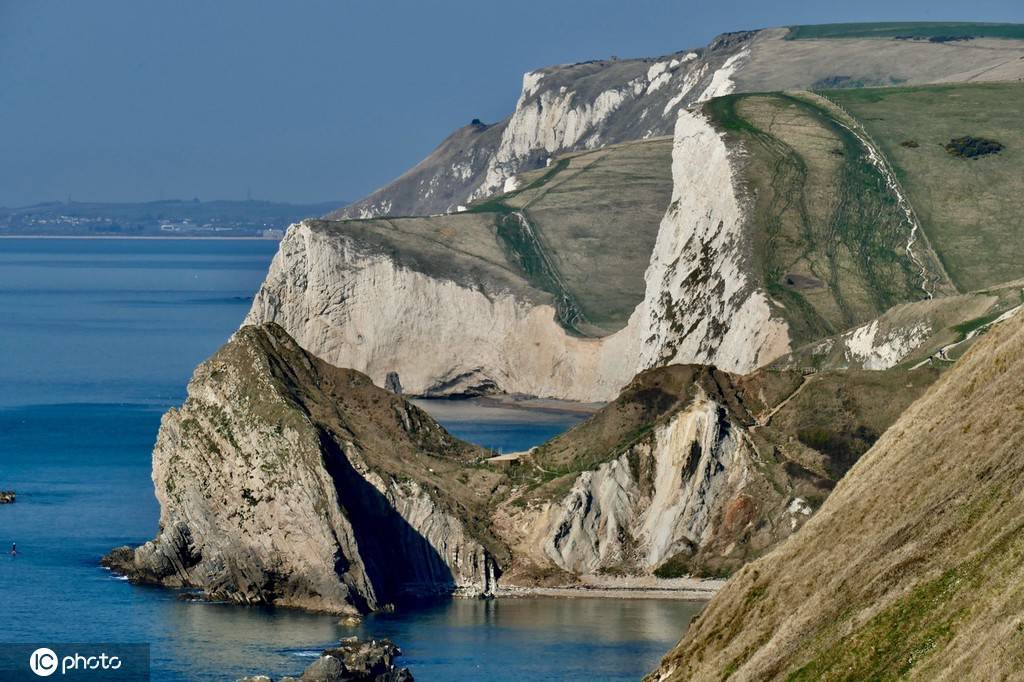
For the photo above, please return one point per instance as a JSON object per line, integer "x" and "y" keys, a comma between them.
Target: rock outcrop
{"x": 692, "y": 470}
{"x": 285, "y": 481}
{"x": 911, "y": 568}
{"x": 352, "y": 660}
{"x": 560, "y": 109}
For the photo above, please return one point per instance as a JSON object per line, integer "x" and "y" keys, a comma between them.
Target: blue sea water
{"x": 98, "y": 338}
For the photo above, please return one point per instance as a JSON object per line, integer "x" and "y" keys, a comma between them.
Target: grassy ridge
{"x": 972, "y": 210}
{"x": 917, "y": 29}
{"x": 828, "y": 234}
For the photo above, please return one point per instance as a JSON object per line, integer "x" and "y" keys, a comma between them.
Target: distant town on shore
{"x": 167, "y": 218}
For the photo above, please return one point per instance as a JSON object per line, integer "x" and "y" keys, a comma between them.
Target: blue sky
{"x": 313, "y": 100}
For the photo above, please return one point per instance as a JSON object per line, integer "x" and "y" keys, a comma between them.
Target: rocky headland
{"x": 283, "y": 480}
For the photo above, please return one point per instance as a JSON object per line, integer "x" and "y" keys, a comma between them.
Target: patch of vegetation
{"x": 893, "y": 642}
{"x": 965, "y": 328}
{"x": 843, "y": 447}
{"x": 498, "y": 203}
{"x": 525, "y": 250}
{"x": 968, "y": 147}
{"x": 905, "y": 30}
{"x": 722, "y": 111}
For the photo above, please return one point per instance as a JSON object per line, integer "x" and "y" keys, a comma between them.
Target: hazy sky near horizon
{"x": 314, "y": 100}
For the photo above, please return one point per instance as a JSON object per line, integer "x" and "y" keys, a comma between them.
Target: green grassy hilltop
{"x": 907, "y": 29}
{"x": 972, "y": 209}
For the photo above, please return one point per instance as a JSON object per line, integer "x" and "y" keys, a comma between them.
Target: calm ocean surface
{"x": 98, "y": 338}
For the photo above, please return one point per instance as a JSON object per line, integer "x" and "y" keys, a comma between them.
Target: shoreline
{"x": 680, "y": 589}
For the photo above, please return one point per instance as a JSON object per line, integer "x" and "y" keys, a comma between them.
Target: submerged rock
{"x": 353, "y": 660}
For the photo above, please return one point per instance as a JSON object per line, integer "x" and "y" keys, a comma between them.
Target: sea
{"x": 98, "y": 337}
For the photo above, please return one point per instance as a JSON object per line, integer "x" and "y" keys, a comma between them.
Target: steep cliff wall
{"x": 703, "y": 302}
{"x": 659, "y": 498}
{"x": 560, "y": 108}
{"x": 284, "y": 481}
{"x": 356, "y": 304}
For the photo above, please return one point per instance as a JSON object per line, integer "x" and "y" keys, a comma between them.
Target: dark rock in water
{"x": 7, "y": 496}
{"x": 393, "y": 383}
{"x": 352, "y": 660}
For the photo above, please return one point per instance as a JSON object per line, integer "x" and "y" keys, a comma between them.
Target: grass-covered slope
{"x": 911, "y": 569}
{"x": 828, "y": 235}
{"x": 908, "y": 30}
{"x": 584, "y": 228}
{"x": 972, "y": 209}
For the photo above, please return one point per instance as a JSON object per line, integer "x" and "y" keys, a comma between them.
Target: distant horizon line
{"x": 195, "y": 200}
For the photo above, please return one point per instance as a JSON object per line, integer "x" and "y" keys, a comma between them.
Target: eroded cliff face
{"x": 560, "y": 108}
{"x": 360, "y": 309}
{"x": 358, "y": 306}
{"x": 573, "y": 107}
{"x": 659, "y": 498}
{"x": 284, "y": 481}
{"x": 703, "y": 303}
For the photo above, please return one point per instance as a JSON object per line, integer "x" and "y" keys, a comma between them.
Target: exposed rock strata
{"x": 560, "y": 108}
{"x": 285, "y": 481}
{"x": 692, "y": 470}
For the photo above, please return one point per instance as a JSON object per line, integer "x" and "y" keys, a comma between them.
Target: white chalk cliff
{"x": 355, "y": 306}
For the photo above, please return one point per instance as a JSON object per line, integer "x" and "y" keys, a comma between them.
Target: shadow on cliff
{"x": 401, "y": 565}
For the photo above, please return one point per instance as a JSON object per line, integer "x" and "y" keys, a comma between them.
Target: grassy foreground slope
{"x": 914, "y": 29}
{"x": 912, "y": 567}
{"x": 972, "y": 209}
